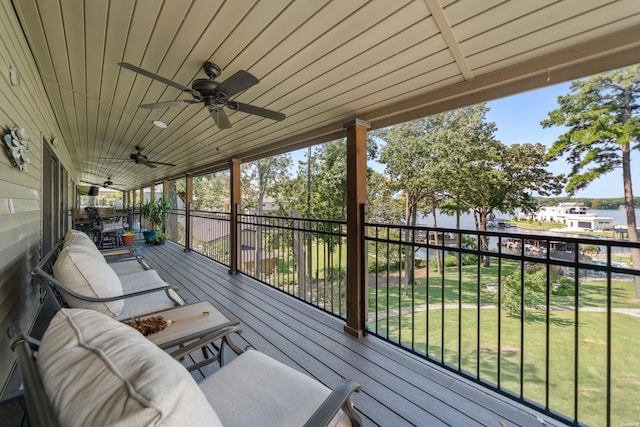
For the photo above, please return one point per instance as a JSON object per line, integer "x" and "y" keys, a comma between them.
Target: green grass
{"x": 455, "y": 288}
{"x": 536, "y": 225}
{"x": 593, "y": 293}
{"x": 625, "y": 371}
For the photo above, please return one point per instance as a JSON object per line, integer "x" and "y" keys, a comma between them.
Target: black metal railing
{"x": 548, "y": 320}
{"x": 176, "y": 229}
{"x": 305, "y": 258}
{"x": 210, "y": 235}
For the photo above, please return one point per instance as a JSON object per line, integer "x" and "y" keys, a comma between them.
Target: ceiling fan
{"x": 107, "y": 184}
{"x": 213, "y": 94}
{"x": 141, "y": 159}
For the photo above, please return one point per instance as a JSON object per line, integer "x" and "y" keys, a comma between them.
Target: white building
{"x": 588, "y": 222}
{"x": 559, "y": 213}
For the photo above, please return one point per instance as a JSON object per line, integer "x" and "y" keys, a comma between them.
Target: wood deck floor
{"x": 397, "y": 387}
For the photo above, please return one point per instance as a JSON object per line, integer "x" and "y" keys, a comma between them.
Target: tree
{"x": 259, "y": 178}
{"x": 601, "y": 113}
{"x": 495, "y": 177}
{"x": 411, "y": 161}
{"x": 534, "y": 288}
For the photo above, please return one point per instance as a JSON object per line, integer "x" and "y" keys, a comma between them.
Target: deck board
{"x": 398, "y": 388}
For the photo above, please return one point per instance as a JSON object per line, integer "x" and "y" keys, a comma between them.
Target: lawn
{"x": 625, "y": 371}
{"x": 463, "y": 286}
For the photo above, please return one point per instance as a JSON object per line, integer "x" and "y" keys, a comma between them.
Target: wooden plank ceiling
{"x": 320, "y": 62}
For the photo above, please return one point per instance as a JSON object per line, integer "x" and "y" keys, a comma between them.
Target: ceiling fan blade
{"x": 166, "y": 104}
{"x": 154, "y": 76}
{"x": 159, "y": 163}
{"x": 149, "y": 164}
{"x": 219, "y": 116}
{"x": 258, "y": 111}
{"x": 241, "y": 80}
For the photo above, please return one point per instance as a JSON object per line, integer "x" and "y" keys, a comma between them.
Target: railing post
{"x": 187, "y": 212}
{"x": 356, "y": 197}
{"x": 234, "y": 235}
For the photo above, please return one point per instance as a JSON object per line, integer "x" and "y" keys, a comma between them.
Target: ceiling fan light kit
{"x": 214, "y": 95}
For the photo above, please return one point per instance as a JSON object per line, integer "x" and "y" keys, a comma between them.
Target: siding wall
{"x": 24, "y": 106}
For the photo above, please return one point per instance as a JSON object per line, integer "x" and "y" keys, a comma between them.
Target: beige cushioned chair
{"x": 94, "y": 370}
{"x": 79, "y": 276}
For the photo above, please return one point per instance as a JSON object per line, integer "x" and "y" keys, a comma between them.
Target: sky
{"x": 518, "y": 120}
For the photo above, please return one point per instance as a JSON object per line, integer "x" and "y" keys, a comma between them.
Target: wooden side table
{"x": 195, "y": 334}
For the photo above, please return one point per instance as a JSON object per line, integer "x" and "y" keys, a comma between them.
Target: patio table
{"x": 201, "y": 332}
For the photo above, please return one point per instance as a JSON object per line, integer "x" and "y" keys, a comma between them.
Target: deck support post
{"x": 356, "y": 198}
{"x": 187, "y": 212}
{"x": 141, "y": 202}
{"x": 165, "y": 188}
{"x": 234, "y": 235}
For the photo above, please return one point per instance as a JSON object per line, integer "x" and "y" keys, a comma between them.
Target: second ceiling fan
{"x": 214, "y": 95}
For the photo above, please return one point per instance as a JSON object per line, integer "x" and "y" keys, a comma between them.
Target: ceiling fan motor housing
{"x": 212, "y": 70}
{"x": 206, "y": 87}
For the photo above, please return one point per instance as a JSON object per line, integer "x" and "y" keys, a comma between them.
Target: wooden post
{"x": 165, "y": 188}
{"x": 356, "y": 198}
{"x": 187, "y": 210}
{"x": 140, "y": 208}
{"x": 234, "y": 235}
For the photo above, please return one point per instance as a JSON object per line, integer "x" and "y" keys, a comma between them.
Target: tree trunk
{"x": 632, "y": 230}
{"x": 409, "y": 255}
{"x": 439, "y": 260}
{"x": 483, "y": 240}
{"x": 298, "y": 252}
{"x": 258, "y": 256}
{"x": 458, "y": 212}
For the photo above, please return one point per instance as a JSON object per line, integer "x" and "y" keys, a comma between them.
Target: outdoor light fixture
{"x": 161, "y": 125}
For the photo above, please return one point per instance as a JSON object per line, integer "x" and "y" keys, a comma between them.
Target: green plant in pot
{"x": 157, "y": 212}
{"x": 160, "y": 238}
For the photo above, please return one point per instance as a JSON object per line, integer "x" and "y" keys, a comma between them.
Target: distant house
{"x": 588, "y": 222}
{"x": 214, "y": 234}
{"x": 559, "y": 213}
{"x": 216, "y": 231}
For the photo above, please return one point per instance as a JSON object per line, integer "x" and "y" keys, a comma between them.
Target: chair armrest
{"x": 118, "y": 297}
{"x": 117, "y": 252}
{"x": 338, "y": 399}
{"x": 221, "y": 333}
{"x": 141, "y": 260}
{"x": 39, "y": 408}
{"x": 55, "y": 285}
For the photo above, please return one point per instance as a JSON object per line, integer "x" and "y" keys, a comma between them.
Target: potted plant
{"x": 160, "y": 238}
{"x": 147, "y": 211}
{"x": 127, "y": 238}
{"x": 161, "y": 213}
{"x": 157, "y": 212}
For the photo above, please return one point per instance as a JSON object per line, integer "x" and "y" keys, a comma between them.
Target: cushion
{"x": 256, "y": 390}
{"x": 98, "y": 372}
{"x": 147, "y": 303}
{"x": 88, "y": 274}
{"x": 74, "y": 236}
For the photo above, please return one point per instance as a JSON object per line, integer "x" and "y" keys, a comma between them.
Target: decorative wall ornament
{"x": 18, "y": 146}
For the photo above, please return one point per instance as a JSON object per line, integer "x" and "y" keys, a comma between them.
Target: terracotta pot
{"x": 127, "y": 240}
